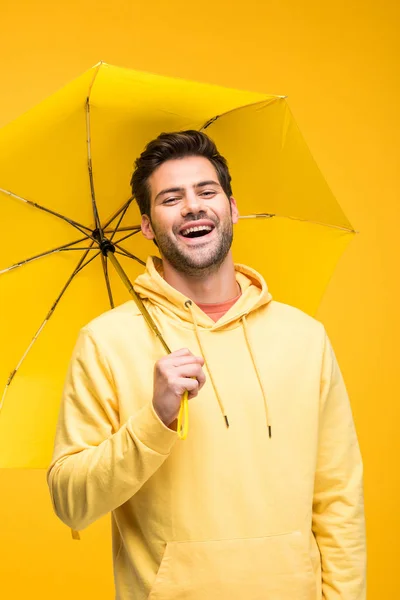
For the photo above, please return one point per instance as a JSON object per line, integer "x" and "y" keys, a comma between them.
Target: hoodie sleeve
{"x": 338, "y": 506}
{"x": 97, "y": 465}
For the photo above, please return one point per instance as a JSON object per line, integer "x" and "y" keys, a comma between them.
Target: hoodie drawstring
{"x": 188, "y": 305}
{"x": 246, "y": 335}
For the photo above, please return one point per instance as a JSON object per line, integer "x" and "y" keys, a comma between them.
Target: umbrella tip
{"x": 99, "y": 64}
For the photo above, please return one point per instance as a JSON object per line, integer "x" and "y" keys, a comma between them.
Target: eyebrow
{"x": 181, "y": 189}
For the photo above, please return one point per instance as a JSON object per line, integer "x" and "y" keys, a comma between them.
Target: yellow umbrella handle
{"x": 183, "y": 415}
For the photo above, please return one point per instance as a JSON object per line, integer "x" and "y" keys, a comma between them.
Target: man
{"x": 264, "y": 498}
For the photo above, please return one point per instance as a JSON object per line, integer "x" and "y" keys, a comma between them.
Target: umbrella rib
{"x": 126, "y": 253}
{"x": 268, "y": 100}
{"x": 88, "y": 262}
{"x": 37, "y": 256}
{"x": 270, "y": 215}
{"x": 105, "y": 269}
{"x": 78, "y": 268}
{"x": 127, "y": 236}
{"x": 75, "y": 224}
{"x": 135, "y": 228}
{"x": 90, "y": 166}
{"x": 348, "y": 229}
{"x": 70, "y": 249}
{"x": 123, "y": 213}
{"x": 118, "y": 212}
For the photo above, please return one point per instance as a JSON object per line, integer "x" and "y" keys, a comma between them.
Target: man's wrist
{"x": 165, "y": 420}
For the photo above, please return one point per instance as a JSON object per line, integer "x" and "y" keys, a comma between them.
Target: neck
{"x": 210, "y": 287}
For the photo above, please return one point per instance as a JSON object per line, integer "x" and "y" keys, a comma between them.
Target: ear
{"x": 234, "y": 209}
{"x": 146, "y": 227}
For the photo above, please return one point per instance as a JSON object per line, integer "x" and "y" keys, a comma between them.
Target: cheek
{"x": 226, "y": 215}
{"x": 163, "y": 224}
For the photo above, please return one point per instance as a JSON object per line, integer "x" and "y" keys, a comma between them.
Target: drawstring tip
{"x": 270, "y": 431}
{"x": 226, "y": 421}
{"x": 75, "y": 534}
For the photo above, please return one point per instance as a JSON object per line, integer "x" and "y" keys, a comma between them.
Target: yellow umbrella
{"x": 65, "y": 168}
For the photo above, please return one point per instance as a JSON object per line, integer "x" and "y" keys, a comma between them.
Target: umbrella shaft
{"x": 137, "y": 299}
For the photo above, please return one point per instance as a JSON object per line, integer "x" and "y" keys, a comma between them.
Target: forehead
{"x": 181, "y": 172}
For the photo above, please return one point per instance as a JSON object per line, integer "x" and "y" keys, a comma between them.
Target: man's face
{"x": 191, "y": 216}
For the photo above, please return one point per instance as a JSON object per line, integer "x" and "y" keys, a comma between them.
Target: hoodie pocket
{"x": 276, "y": 567}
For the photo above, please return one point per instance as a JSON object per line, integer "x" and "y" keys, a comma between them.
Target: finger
{"x": 198, "y": 373}
{"x": 190, "y": 371}
{"x": 190, "y": 385}
{"x": 180, "y": 361}
{"x": 201, "y": 379}
{"x": 168, "y": 362}
{"x": 181, "y": 352}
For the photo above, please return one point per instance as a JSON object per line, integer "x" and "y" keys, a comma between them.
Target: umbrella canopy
{"x": 65, "y": 168}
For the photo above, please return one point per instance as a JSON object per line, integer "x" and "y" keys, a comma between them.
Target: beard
{"x": 198, "y": 261}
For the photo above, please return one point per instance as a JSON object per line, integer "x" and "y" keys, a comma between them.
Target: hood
{"x": 152, "y": 286}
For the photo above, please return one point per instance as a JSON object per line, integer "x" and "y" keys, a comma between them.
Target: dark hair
{"x": 175, "y": 145}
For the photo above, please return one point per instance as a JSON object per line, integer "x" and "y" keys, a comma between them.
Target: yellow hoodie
{"x": 231, "y": 513}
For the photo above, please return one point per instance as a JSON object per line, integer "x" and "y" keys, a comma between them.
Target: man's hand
{"x": 173, "y": 375}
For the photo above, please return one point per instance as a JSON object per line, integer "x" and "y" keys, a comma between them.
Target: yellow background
{"x": 338, "y": 63}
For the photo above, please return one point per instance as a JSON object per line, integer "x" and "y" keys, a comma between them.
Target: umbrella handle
{"x": 183, "y": 415}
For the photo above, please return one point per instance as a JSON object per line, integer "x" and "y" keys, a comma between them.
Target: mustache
{"x": 190, "y": 217}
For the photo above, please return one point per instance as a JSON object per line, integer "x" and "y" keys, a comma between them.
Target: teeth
{"x": 193, "y": 229}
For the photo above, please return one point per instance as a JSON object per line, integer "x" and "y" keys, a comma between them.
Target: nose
{"x": 193, "y": 203}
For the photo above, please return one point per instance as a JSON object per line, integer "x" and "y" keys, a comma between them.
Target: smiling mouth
{"x": 196, "y": 231}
